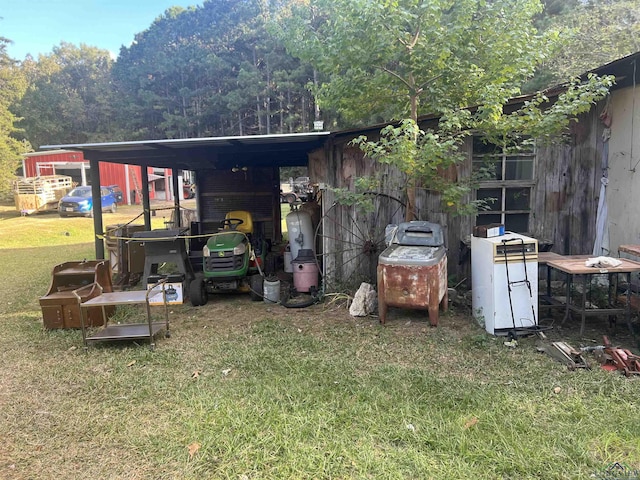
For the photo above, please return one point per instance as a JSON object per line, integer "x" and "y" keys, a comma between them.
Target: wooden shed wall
{"x": 352, "y": 237}
{"x": 341, "y": 164}
{"x": 564, "y": 199}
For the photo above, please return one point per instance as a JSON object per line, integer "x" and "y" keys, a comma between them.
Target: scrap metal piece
{"x": 565, "y": 353}
{"x": 625, "y": 361}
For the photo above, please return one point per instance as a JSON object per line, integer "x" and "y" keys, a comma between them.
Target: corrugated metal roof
{"x": 191, "y": 142}
{"x": 194, "y": 153}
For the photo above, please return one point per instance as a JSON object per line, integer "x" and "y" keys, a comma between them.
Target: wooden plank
{"x": 630, "y": 249}
{"x": 576, "y": 266}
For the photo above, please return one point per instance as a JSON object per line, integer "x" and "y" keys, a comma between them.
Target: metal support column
{"x": 146, "y": 204}
{"x": 94, "y": 175}
{"x": 177, "y": 193}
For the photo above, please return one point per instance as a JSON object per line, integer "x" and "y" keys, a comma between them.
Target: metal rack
{"x": 126, "y": 331}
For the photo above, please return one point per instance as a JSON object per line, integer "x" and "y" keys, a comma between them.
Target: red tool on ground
{"x": 621, "y": 358}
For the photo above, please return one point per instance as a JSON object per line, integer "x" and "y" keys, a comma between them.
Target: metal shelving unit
{"x": 126, "y": 331}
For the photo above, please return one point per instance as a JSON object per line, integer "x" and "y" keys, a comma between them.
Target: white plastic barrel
{"x": 300, "y": 230}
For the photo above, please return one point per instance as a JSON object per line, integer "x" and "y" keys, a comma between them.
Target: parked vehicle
{"x": 288, "y": 197}
{"x": 298, "y": 190}
{"x": 79, "y": 202}
{"x": 234, "y": 259}
{"x": 117, "y": 193}
{"x": 188, "y": 190}
{"x": 302, "y": 187}
{"x": 40, "y": 194}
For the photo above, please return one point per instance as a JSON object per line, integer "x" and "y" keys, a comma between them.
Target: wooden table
{"x": 633, "y": 250}
{"x": 547, "y": 300}
{"x": 126, "y": 331}
{"x": 574, "y": 266}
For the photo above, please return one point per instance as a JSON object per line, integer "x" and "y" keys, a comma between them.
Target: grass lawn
{"x": 245, "y": 390}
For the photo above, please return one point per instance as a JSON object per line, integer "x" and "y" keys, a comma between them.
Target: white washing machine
{"x": 504, "y": 282}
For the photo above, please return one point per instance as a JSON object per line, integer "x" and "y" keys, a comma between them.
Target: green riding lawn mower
{"x": 233, "y": 259}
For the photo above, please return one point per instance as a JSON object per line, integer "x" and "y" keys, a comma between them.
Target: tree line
{"x": 244, "y": 67}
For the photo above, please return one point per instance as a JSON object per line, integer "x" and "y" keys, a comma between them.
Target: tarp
{"x": 601, "y": 244}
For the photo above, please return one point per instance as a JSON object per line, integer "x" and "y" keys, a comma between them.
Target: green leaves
{"x": 610, "y": 29}
{"x": 423, "y": 156}
{"x": 213, "y": 70}
{"x": 544, "y": 120}
{"x": 388, "y": 60}
{"x": 416, "y": 56}
{"x": 69, "y": 99}
{"x": 12, "y": 87}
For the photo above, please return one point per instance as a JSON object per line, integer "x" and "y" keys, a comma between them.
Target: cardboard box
{"x": 488, "y": 231}
{"x": 173, "y": 291}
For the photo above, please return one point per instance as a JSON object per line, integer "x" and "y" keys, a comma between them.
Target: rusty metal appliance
{"x": 412, "y": 271}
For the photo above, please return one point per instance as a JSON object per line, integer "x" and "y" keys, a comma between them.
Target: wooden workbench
{"x": 574, "y": 266}
{"x": 633, "y": 250}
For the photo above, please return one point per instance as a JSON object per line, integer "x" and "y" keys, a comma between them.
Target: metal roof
{"x": 203, "y": 153}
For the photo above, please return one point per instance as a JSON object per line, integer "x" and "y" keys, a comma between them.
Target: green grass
{"x": 263, "y": 392}
{"x": 44, "y": 229}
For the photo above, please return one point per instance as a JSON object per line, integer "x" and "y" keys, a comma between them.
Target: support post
{"x": 94, "y": 174}
{"x": 177, "y": 192}
{"x": 146, "y": 204}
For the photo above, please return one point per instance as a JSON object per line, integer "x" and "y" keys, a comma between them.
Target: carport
{"x": 239, "y": 172}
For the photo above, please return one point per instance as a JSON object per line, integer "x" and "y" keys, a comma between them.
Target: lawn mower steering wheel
{"x": 232, "y": 223}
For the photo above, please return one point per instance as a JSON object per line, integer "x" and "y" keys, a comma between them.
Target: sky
{"x": 36, "y": 26}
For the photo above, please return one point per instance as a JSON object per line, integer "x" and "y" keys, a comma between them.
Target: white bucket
{"x": 271, "y": 291}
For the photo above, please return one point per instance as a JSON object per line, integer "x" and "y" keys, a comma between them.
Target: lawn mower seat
{"x": 247, "y": 221}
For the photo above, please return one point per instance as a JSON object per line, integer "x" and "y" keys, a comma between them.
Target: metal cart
{"x": 126, "y": 331}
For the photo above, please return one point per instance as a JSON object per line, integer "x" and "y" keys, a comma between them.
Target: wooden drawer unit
{"x": 71, "y": 284}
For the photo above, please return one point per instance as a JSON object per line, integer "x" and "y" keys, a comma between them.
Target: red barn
{"x": 73, "y": 164}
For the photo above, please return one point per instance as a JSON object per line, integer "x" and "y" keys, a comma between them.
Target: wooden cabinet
{"x": 71, "y": 284}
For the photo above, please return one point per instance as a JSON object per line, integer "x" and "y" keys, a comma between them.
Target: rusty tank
{"x": 412, "y": 270}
